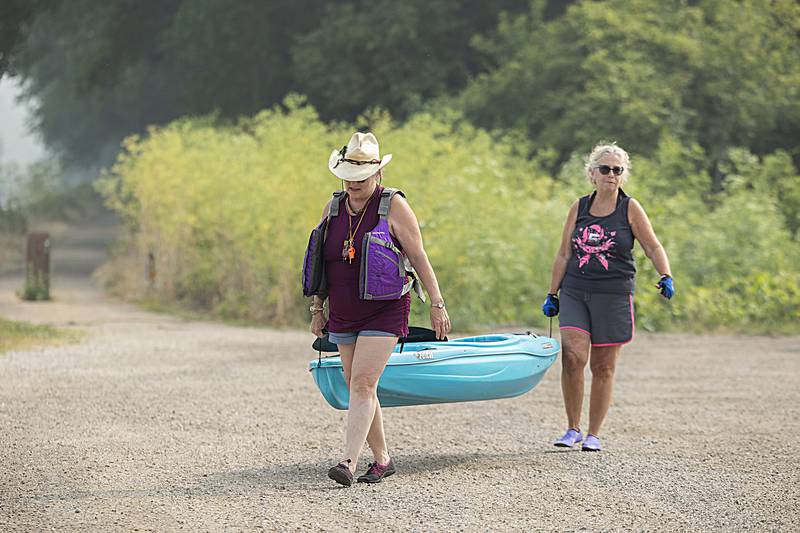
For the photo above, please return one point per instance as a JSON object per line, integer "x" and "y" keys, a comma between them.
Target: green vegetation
{"x": 491, "y": 220}
{"x": 23, "y": 336}
{"x": 104, "y": 81}
{"x": 719, "y": 73}
{"x": 493, "y": 105}
{"x": 38, "y": 193}
{"x": 36, "y": 287}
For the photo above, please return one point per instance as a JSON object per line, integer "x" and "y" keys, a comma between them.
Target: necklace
{"x": 355, "y": 212}
{"x": 348, "y": 249}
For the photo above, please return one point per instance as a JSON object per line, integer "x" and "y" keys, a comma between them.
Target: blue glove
{"x": 667, "y": 287}
{"x": 550, "y": 306}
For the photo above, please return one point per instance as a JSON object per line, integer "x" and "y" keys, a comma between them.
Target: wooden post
{"x": 37, "y": 271}
{"x": 150, "y": 272}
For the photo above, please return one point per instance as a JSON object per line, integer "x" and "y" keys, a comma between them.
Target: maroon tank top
{"x": 349, "y": 313}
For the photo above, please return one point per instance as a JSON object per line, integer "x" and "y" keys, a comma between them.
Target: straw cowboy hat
{"x": 358, "y": 160}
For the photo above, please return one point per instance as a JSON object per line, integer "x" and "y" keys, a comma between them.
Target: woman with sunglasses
{"x": 366, "y": 331}
{"x": 595, "y": 270}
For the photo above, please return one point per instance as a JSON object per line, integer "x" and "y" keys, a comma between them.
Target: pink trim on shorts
{"x": 573, "y": 327}
{"x": 633, "y": 329}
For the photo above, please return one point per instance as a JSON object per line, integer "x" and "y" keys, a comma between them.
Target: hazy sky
{"x": 16, "y": 144}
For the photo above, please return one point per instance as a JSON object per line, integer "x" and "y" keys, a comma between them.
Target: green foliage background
{"x": 230, "y": 234}
{"x": 493, "y": 106}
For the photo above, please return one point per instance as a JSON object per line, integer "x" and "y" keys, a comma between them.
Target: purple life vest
{"x": 384, "y": 268}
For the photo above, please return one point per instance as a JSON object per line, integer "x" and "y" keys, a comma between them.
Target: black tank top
{"x": 602, "y": 250}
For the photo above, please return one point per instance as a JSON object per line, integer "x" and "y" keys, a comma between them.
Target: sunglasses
{"x": 605, "y": 169}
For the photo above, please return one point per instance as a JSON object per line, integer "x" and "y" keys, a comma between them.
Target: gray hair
{"x": 607, "y": 148}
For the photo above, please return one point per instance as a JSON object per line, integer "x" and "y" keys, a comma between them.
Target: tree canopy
{"x": 122, "y": 65}
{"x": 485, "y": 99}
{"x": 718, "y": 74}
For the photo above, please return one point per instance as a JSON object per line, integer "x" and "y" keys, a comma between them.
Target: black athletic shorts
{"x": 606, "y": 317}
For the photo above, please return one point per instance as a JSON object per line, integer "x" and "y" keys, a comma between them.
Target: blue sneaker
{"x": 592, "y": 444}
{"x": 570, "y": 438}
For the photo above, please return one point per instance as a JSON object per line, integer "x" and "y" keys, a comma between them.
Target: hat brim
{"x": 350, "y": 172}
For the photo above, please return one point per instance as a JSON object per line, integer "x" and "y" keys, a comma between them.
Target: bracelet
{"x": 315, "y": 310}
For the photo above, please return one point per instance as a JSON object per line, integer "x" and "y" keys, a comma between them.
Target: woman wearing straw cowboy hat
{"x": 366, "y": 330}
{"x": 595, "y": 270}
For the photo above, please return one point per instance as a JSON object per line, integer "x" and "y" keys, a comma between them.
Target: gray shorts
{"x": 350, "y": 337}
{"x": 606, "y": 317}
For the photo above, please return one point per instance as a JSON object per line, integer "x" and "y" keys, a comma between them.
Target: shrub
{"x": 222, "y": 215}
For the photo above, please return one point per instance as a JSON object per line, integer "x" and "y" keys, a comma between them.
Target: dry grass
{"x": 22, "y": 335}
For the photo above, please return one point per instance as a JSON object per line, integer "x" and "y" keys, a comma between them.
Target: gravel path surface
{"x": 156, "y": 423}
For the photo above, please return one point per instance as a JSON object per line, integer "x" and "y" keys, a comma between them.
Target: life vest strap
{"x": 337, "y": 198}
{"x": 386, "y": 201}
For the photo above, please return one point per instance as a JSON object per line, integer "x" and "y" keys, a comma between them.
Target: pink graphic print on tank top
{"x": 594, "y": 241}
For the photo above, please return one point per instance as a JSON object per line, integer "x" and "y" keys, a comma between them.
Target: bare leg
{"x": 603, "y": 363}
{"x": 369, "y": 360}
{"x": 574, "y": 356}
{"x": 375, "y": 437}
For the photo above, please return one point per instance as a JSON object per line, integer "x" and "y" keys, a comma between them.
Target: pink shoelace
{"x": 377, "y": 469}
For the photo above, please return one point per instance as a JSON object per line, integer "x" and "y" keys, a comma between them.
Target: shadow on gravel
{"x": 310, "y": 476}
{"x": 427, "y": 463}
{"x": 563, "y": 450}
{"x": 284, "y": 477}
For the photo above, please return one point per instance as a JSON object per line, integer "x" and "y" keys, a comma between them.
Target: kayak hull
{"x": 460, "y": 370}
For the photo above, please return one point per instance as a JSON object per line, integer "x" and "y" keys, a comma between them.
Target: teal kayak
{"x": 487, "y": 367}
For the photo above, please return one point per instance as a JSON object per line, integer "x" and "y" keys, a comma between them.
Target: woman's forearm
{"x": 559, "y": 269}
{"x": 426, "y": 275}
{"x": 660, "y": 260}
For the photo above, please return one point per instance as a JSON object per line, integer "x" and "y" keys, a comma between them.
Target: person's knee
{"x": 363, "y": 385}
{"x": 603, "y": 370}
{"x": 573, "y": 361}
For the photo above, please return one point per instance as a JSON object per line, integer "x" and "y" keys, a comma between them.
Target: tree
{"x": 395, "y": 55}
{"x": 716, "y": 73}
{"x": 235, "y": 57}
{"x": 15, "y": 15}
{"x": 122, "y": 65}
{"x": 745, "y": 86}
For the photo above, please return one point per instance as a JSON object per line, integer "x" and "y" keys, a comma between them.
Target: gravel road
{"x": 157, "y": 423}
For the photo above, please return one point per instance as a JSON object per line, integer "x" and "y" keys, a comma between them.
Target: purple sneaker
{"x": 377, "y": 472}
{"x": 570, "y": 438}
{"x": 341, "y": 474}
{"x": 592, "y": 444}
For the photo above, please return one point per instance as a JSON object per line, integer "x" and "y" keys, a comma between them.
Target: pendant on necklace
{"x": 345, "y": 250}
{"x": 348, "y": 251}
